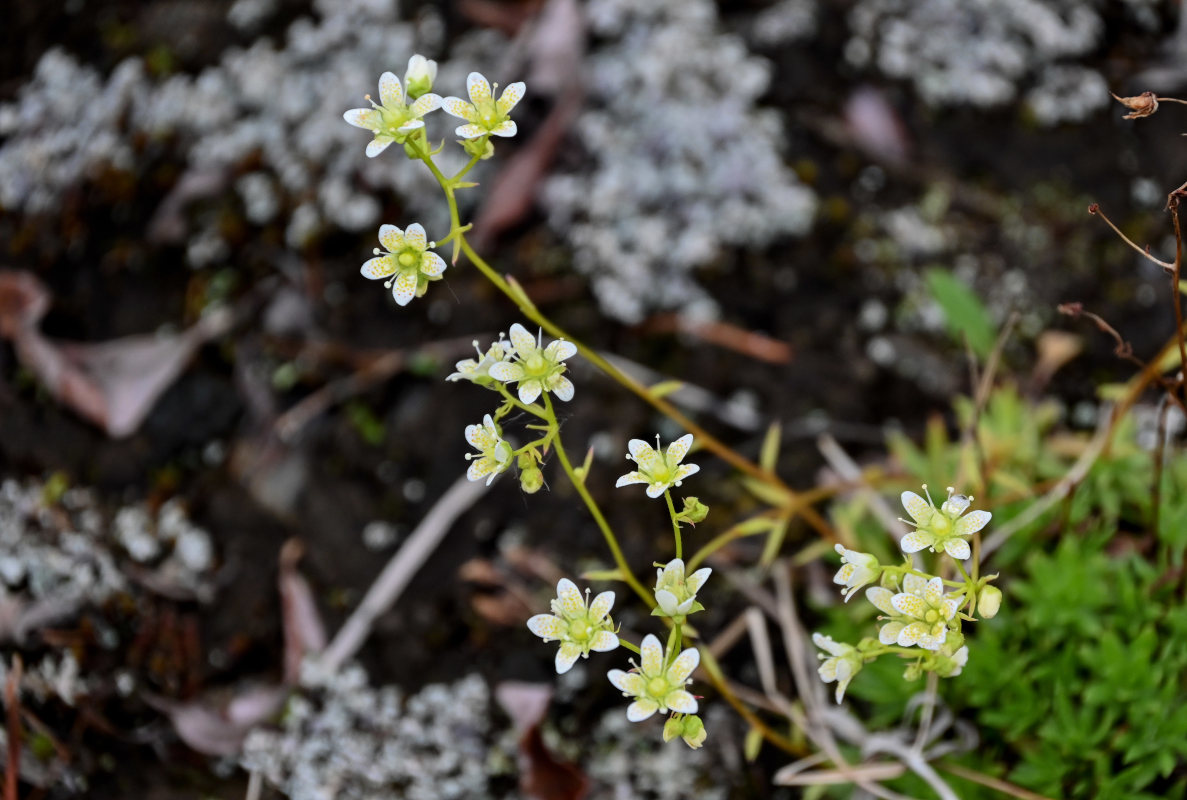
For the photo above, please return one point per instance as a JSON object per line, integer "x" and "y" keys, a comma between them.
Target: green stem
{"x": 531, "y": 408}
{"x": 603, "y": 526}
{"x": 675, "y": 642}
{"x": 913, "y": 571}
{"x": 632, "y": 647}
{"x": 461, "y": 174}
{"x": 675, "y": 524}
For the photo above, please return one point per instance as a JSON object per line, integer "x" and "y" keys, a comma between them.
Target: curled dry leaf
{"x": 113, "y": 384}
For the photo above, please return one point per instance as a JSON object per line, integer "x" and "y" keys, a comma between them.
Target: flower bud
{"x": 690, "y": 728}
{"x": 694, "y": 511}
{"x": 482, "y": 147}
{"x": 1142, "y": 105}
{"x": 531, "y": 480}
{"x": 419, "y": 78}
{"x": 989, "y": 600}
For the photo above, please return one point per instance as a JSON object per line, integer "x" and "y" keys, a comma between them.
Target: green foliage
{"x": 964, "y": 313}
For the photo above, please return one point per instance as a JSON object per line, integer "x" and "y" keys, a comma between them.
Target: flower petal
{"x": 600, "y": 607}
{"x": 844, "y": 574}
{"x": 656, "y": 489}
{"x": 510, "y": 97}
{"x": 529, "y": 391}
{"x": 559, "y": 350}
{"x": 561, "y": 386}
{"x": 890, "y": 631}
{"x": 934, "y": 591}
{"x": 411, "y": 125}
{"x": 972, "y": 522}
{"x": 641, "y": 709}
{"x": 684, "y": 665}
{"x": 631, "y": 683}
{"x": 569, "y": 599}
{"x": 911, "y": 634}
{"x": 547, "y": 627}
{"x": 909, "y": 604}
{"x": 949, "y": 606}
{"x": 628, "y": 479}
{"x": 914, "y": 584}
{"x": 477, "y": 87}
{"x": 681, "y": 701}
{"x": 507, "y": 128}
{"x": 919, "y": 509}
{"x": 603, "y": 642}
{"x": 425, "y": 103}
{"x": 523, "y": 342}
{"x": 366, "y": 118}
{"x": 652, "y": 655}
{"x": 828, "y": 670}
{"x": 457, "y": 107}
{"x": 481, "y": 468}
{"x": 414, "y": 236}
{"x": 390, "y": 92}
{"x": 379, "y": 267}
{"x": 695, "y": 581}
{"x": 881, "y": 598}
{"x": 481, "y": 437}
{"x": 566, "y": 657}
{"x": 404, "y": 288}
{"x": 378, "y": 145}
{"x": 644, "y": 454}
{"x": 432, "y": 265}
{"x": 391, "y": 237}
{"x": 469, "y": 131}
{"x": 956, "y": 505}
{"x": 678, "y": 449}
{"x": 667, "y": 602}
{"x": 683, "y": 471}
{"x": 915, "y": 541}
{"x": 506, "y": 371}
{"x": 958, "y": 549}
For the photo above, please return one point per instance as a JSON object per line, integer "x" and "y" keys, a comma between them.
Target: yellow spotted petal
{"x": 934, "y": 591}
{"x": 378, "y": 145}
{"x": 641, "y": 709}
{"x": 972, "y": 522}
{"x": 432, "y": 265}
{"x": 481, "y": 437}
{"x": 523, "y": 342}
{"x": 914, "y": 584}
{"x": 684, "y": 665}
{"x": 569, "y": 599}
{"x": 547, "y": 627}
{"x": 909, "y": 604}
{"x": 507, "y": 128}
{"x": 631, "y": 683}
{"x": 458, "y": 107}
{"x": 958, "y": 549}
{"x": 915, "y": 541}
{"x": 379, "y": 267}
{"x": 643, "y": 454}
{"x": 881, "y": 598}
{"x": 367, "y": 118}
{"x": 601, "y": 606}
{"x": 566, "y": 657}
{"x": 391, "y": 237}
{"x": 478, "y": 87}
{"x": 684, "y": 470}
{"x": 919, "y": 509}
{"x": 425, "y": 103}
{"x": 652, "y": 655}
{"x": 828, "y": 670}
{"x": 681, "y": 701}
{"x": 414, "y": 236}
{"x": 678, "y": 449}
{"x": 911, "y": 634}
{"x": 890, "y": 631}
{"x": 404, "y": 288}
{"x": 481, "y": 468}
{"x": 603, "y": 642}
{"x": 391, "y": 94}
{"x": 510, "y": 97}
{"x": 630, "y": 478}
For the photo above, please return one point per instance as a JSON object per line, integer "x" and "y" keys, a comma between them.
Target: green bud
{"x": 989, "y": 600}
{"x": 913, "y": 672}
{"x": 531, "y": 480}
{"x": 526, "y": 460}
{"x": 889, "y": 580}
{"x": 482, "y": 147}
{"x": 418, "y": 79}
{"x": 690, "y": 728}
{"x": 694, "y": 511}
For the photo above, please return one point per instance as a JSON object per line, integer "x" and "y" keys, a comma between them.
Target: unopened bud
{"x": 531, "y": 480}
{"x": 694, "y": 511}
{"x": 689, "y": 728}
{"x": 482, "y": 147}
{"x": 1142, "y": 105}
{"x": 989, "y": 600}
{"x": 419, "y": 78}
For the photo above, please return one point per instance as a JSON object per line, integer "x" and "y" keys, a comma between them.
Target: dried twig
{"x": 849, "y": 471}
{"x": 399, "y": 570}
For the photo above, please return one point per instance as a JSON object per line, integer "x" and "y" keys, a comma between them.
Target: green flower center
{"x": 657, "y": 687}
{"x": 580, "y": 630}
{"x": 407, "y": 258}
{"x": 932, "y": 615}
{"x": 392, "y": 118}
{"x": 940, "y": 524}
{"x": 488, "y": 111}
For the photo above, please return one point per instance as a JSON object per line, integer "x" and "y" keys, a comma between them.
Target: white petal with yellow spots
{"x": 578, "y": 627}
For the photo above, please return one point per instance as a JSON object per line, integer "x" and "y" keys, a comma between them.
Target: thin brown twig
{"x": 1094, "y": 209}
{"x": 1005, "y": 787}
{"x": 1173, "y": 204}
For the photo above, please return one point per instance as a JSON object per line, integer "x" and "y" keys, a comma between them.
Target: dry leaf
{"x": 541, "y": 775}
{"x": 304, "y": 632}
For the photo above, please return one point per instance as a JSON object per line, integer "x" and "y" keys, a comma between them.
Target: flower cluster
{"x": 921, "y": 613}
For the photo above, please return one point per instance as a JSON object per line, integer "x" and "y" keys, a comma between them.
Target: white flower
{"x": 942, "y": 527}
{"x": 495, "y": 455}
{"x": 580, "y": 626}
{"x": 659, "y": 472}
{"x": 676, "y": 594}
{"x": 478, "y": 370}
{"x": 856, "y": 571}
{"x": 842, "y": 663}
{"x": 536, "y": 369}
{"x": 408, "y": 259}
{"x": 657, "y": 688}
{"x": 919, "y": 615}
{"x": 393, "y": 119}
{"x": 483, "y": 114}
{"x": 952, "y": 665}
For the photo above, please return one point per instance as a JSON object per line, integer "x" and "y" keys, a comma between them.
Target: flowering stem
{"x": 675, "y": 523}
{"x": 531, "y": 408}
{"x": 632, "y": 647}
{"x": 675, "y": 642}
{"x": 912, "y": 571}
{"x": 607, "y": 533}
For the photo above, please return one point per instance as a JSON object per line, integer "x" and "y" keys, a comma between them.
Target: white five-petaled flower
{"x": 658, "y": 686}
{"x": 394, "y": 118}
{"x": 407, "y": 260}
{"x": 918, "y": 615}
{"x": 677, "y": 594}
{"x": 580, "y": 626}
{"x": 495, "y": 455}
{"x": 660, "y": 471}
{"x": 475, "y": 370}
{"x": 483, "y": 114}
{"x": 857, "y": 569}
{"x": 840, "y": 665}
{"x": 941, "y": 528}
{"x": 536, "y": 369}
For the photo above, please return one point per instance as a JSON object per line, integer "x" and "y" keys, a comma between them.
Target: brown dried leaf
{"x": 541, "y": 775}
{"x": 217, "y": 723}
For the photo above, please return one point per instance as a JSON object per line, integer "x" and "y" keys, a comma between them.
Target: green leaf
{"x": 963, "y": 311}
{"x": 603, "y": 575}
{"x": 664, "y": 388}
{"x": 769, "y": 455}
